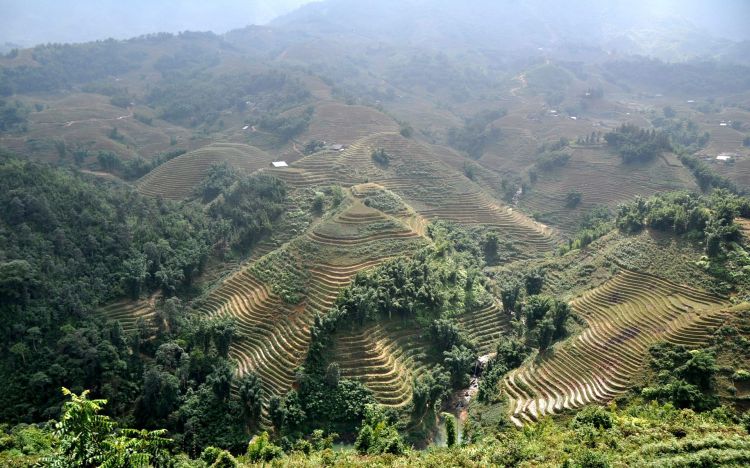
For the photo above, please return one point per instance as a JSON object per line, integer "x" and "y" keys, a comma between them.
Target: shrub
{"x": 594, "y": 416}
{"x": 378, "y": 435}
{"x": 225, "y": 460}
{"x": 573, "y": 199}
{"x": 260, "y": 449}
{"x": 210, "y": 454}
{"x": 380, "y": 157}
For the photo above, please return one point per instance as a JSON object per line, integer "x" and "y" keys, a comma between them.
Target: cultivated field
{"x": 624, "y": 316}
{"x": 178, "y": 177}
{"x": 276, "y": 333}
{"x": 432, "y": 188}
{"x": 601, "y": 179}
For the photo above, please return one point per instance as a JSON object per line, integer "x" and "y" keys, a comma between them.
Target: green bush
{"x": 594, "y": 416}
{"x": 261, "y": 449}
{"x": 210, "y": 454}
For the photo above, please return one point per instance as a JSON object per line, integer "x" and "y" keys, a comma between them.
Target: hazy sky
{"x": 28, "y": 22}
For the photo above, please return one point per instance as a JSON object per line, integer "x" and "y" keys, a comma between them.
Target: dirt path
{"x": 122, "y": 117}
{"x": 521, "y": 79}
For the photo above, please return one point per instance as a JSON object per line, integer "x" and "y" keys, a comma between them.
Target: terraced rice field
{"x": 128, "y": 313}
{"x": 384, "y": 358}
{"x": 744, "y": 225}
{"x": 738, "y": 172}
{"x": 359, "y": 225}
{"x": 337, "y": 123}
{"x": 433, "y": 189}
{"x": 486, "y": 326}
{"x": 602, "y": 180}
{"x": 178, "y": 177}
{"x": 276, "y": 335}
{"x": 624, "y": 316}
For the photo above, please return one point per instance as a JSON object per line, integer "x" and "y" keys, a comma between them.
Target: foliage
{"x": 13, "y": 115}
{"x": 59, "y": 66}
{"x": 682, "y": 377}
{"x": 545, "y": 320}
{"x": 548, "y": 160}
{"x": 635, "y": 144}
{"x": 251, "y": 205}
{"x": 594, "y": 416}
{"x": 313, "y": 146}
{"x": 87, "y": 438}
{"x": 260, "y": 449}
{"x": 450, "y": 430}
{"x": 690, "y": 77}
{"x": 378, "y": 435}
{"x": 380, "y": 157}
{"x": 640, "y": 435}
{"x": 288, "y": 126}
{"x": 573, "y": 199}
{"x": 218, "y": 179}
{"x": 87, "y": 244}
{"x": 199, "y": 98}
{"x": 476, "y": 134}
{"x": 282, "y": 270}
{"x": 509, "y": 354}
{"x": 708, "y": 217}
{"x": 682, "y": 133}
{"x": 595, "y": 224}
{"x": 706, "y": 177}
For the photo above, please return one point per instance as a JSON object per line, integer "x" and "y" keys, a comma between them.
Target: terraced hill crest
{"x": 432, "y": 188}
{"x": 178, "y": 177}
{"x": 276, "y": 330}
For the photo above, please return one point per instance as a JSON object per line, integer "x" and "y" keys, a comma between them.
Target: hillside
{"x": 512, "y": 234}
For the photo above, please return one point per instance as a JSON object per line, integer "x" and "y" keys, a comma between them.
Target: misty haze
{"x": 395, "y": 233}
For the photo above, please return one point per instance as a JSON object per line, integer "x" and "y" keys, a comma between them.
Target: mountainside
{"x": 506, "y": 229}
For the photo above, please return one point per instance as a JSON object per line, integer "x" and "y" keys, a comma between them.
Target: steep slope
{"x": 275, "y": 331}
{"x": 624, "y": 316}
{"x": 432, "y": 188}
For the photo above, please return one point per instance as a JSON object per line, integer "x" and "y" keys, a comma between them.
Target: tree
{"x": 260, "y": 449}
{"x": 333, "y": 374}
{"x": 277, "y": 413}
{"x": 217, "y": 180}
{"x": 545, "y": 333}
{"x": 573, "y": 199}
{"x": 250, "y": 392}
{"x": 460, "y": 360}
{"x": 534, "y": 281}
{"x": 220, "y": 380}
{"x": 450, "y": 429}
{"x": 378, "y": 435}
{"x": 318, "y": 203}
{"x": 560, "y": 312}
{"x": 223, "y": 331}
{"x": 535, "y": 308}
{"x": 490, "y": 246}
{"x": 381, "y": 157}
{"x": 87, "y": 439}
{"x": 136, "y": 273}
{"x": 161, "y": 394}
{"x": 509, "y": 295}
